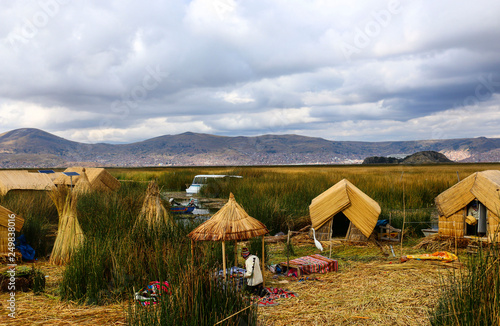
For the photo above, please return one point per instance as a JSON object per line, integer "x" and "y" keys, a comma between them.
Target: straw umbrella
{"x": 231, "y": 222}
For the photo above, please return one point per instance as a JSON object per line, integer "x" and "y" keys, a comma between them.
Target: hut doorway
{"x": 340, "y": 225}
{"x": 478, "y": 212}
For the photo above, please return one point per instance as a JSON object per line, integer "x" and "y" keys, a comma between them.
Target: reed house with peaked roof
{"x": 23, "y": 180}
{"x": 99, "y": 179}
{"x": 471, "y": 207}
{"x": 344, "y": 211}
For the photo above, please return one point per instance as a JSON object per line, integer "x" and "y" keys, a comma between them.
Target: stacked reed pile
{"x": 69, "y": 233}
{"x": 153, "y": 212}
{"x": 83, "y": 185}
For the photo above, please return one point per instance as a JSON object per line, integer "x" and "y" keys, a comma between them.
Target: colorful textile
{"x": 314, "y": 264}
{"x": 233, "y": 271}
{"x": 440, "y": 255}
{"x": 272, "y": 294}
{"x": 151, "y": 293}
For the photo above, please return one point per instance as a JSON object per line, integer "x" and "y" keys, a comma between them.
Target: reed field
{"x": 280, "y": 196}
{"x": 123, "y": 249}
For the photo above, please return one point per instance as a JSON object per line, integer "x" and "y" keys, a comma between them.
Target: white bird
{"x": 316, "y": 242}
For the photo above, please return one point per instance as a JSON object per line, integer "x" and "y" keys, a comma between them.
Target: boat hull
{"x": 182, "y": 209}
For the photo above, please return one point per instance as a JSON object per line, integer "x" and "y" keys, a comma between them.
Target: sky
{"x": 125, "y": 71}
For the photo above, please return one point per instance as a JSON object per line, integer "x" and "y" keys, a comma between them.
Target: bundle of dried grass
{"x": 83, "y": 185}
{"x": 69, "y": 232}
{"x": 438, "y": 242}
{"x": 153, "y": 211}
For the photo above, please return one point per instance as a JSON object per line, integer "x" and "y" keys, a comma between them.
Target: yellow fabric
{"x": 440, "y": 255}
{"x": 471, "y": 220}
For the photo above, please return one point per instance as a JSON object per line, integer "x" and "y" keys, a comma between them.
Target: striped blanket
{"x": 313, "y": 264}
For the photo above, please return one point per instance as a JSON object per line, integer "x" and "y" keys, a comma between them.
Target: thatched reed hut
{"x": 99, "y": 178}
{"x": 471, "y": 207}
{"x": 23, "y": 180}
{"x": 8, "y": 219}
{"x": 344, "y": 211}
{"x": 230, "y": 223}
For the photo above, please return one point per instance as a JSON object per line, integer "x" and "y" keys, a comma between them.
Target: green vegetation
{"x": 39, "y": 214}
{"x": 472, "y": 296}
{"x": 280, "y": 196}
{"x": 117, "y": 258}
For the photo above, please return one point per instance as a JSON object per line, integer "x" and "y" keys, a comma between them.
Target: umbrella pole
{"x": 235, "y": 252}
{"x": 224, "y": 258}
{"x": 263, "y": 263}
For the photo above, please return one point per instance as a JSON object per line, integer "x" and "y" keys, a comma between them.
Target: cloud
{"x": 121, "y": 71}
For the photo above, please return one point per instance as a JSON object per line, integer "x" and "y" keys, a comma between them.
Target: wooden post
{"x": 404, "y": 214}
{"x": 192, "y": 252}
{"x": 288, "y": 252}
{"x": 235, "y": 252}
{"x": 263, "y": 262}
{"x": 224, "y": 259}
{"x": 455, "y": 231}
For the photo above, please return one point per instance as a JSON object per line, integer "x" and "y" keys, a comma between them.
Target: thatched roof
{"x": 23, "y": 180}
{"x": 99, "y": 178}
{"x": 4, "y": 219}
{"x": 485, "y": 186}
{"x": 231, "y": 222}
{"x": 83, "y": 185}
{"x": 345, "y": 197}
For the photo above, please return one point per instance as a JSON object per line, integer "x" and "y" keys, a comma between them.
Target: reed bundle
{"x": 153, "y": 211}
{"x": 438, "y": 242}
{"x": 69, "y": 232}
{"x": 83, "y": 185}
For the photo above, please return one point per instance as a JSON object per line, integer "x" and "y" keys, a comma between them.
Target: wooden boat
{"x": 182, "y": 209}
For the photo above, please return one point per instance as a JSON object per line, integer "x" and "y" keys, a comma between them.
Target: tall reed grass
{"x": 117, "y": 258}
{"x": 280, "y": 196}
{"x": 39, "y": 215}
{"x": 198, "y": 299}
{"x": 472, "y": 296}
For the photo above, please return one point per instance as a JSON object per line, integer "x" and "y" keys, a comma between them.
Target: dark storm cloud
{"x": 123, "y": 70}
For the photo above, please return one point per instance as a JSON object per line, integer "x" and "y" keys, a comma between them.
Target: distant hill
{"x": 35, "y": 148}
{"x": 424, "y": 157}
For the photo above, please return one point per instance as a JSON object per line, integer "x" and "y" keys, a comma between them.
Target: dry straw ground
{"x": 48, "y": 309}
{"x": 376, "y": 292}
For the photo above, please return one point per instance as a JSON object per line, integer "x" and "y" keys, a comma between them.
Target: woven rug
{"x": 314, "y": 264}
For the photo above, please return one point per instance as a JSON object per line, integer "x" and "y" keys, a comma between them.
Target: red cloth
{"x": 314, "y": 264}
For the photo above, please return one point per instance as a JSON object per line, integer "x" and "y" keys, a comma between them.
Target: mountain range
{"x": 36, "y": 148}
